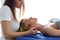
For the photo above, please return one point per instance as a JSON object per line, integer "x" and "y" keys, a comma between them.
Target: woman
{"x": 9, "y": 21}
{"x": 26, "y": 24}
{"x": 52, "y": 29}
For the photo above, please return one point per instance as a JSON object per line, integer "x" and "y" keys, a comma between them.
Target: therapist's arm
{"x": 9, "y": 34}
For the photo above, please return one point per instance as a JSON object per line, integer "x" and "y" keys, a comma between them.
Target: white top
{"x": 6, "y": 14}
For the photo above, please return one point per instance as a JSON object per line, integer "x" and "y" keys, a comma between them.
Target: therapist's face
{"x": 18, "y": 3}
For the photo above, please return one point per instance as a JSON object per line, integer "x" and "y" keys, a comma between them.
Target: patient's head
{"x": 26, "y": 24}
{"x": 33, "y": 20}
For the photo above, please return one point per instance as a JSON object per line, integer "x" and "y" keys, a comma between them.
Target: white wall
{"x": 0, "y": 23}
{"x": 0, "y": 30}
{"x": 42, "y": 9}
{"x": 1, "y": 3}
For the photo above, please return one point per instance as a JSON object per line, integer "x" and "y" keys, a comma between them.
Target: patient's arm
{"x": 52, "y": 32}
{"x": 49, "y": 31}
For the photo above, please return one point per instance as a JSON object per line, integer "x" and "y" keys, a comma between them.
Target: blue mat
{"x": 38, "y": 37}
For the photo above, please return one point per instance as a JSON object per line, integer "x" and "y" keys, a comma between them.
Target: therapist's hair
{"x": 24, "y": 26}
{"x": 11, "y": 3}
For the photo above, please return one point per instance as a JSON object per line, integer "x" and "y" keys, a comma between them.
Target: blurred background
{"x": 43, "y": 10}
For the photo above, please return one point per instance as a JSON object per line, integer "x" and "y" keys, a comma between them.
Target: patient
{"x": 51, "y": 29}
{"x": 26, "y": 24}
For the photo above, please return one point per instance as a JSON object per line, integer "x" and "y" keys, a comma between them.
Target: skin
{"x": 7, "y": 24}
{"x": 34, "y": 23}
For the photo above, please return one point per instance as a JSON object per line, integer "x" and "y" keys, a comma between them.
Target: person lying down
{"x": 26, "y": 24}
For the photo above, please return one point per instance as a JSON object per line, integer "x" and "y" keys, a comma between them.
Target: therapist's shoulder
{"x": 5, "y": 7}
{"x": 5, "y": 10}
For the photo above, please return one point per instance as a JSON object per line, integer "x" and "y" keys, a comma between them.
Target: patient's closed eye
{"x": 34, "y": 29}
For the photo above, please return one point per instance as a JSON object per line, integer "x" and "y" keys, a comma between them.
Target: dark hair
{"x": 11, "y": 3}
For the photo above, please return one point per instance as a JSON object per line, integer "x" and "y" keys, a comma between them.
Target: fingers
{"x": 33, "y": 30}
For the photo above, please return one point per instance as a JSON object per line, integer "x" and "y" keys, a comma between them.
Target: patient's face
{"x": 27, "y": 23}
{"x": 30, "y": 21}
{"x": 33, "y": 20}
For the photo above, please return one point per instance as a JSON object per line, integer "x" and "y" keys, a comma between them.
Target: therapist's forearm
{"x": 16, "y": 34}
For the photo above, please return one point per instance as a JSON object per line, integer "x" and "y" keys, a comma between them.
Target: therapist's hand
{"x": 32, "y": 30}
